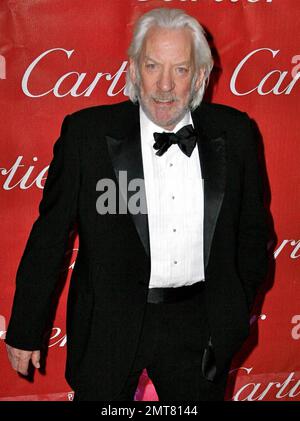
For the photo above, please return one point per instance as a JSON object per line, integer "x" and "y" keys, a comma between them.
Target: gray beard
{"x": 171, "y": 122}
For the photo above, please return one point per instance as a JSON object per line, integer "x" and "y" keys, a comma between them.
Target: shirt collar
{"x": 149, "y": 127}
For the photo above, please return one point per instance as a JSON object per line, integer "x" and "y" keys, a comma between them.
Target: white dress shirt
{"x": 174, "y": 195}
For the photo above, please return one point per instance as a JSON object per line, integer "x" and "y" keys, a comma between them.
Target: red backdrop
{"x": 58, "y": 56}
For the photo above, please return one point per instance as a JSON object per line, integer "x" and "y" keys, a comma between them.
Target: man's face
{"x": 166, "y": 71}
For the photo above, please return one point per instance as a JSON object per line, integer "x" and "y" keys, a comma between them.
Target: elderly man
{"x": 168, "y": 288}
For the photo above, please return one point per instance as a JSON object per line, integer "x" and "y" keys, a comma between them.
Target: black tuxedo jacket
{"x": 109, "y": 283}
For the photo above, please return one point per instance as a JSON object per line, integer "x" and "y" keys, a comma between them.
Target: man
{"x": 169, "y": 289}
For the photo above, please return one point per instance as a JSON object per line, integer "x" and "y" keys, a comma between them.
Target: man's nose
{"x": 165, "y": 82}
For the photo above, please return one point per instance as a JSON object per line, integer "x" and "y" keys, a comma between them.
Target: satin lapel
{"x": 126, "y": 155}
{"x": 212, "y": 154}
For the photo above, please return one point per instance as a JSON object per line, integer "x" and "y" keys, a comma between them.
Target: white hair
{"x": 171, "y": 19}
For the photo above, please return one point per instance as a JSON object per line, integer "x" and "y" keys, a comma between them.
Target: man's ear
{"x": 200, "y": 79}
{"x": 132, "y": 70}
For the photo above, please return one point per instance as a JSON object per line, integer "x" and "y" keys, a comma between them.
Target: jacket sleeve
{"x": 40, "y": 265}
{"x": 253, "y": 227}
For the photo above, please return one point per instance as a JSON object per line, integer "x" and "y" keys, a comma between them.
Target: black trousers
{"x": 171, "y": 345}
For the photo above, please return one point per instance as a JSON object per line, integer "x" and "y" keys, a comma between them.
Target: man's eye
{"x": 150, "y": 66}
{"x": 182, "y": 70}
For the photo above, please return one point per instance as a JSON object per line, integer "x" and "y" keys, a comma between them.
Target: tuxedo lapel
{"x": 126, "y": 155}
{"x": 212, "y": 156}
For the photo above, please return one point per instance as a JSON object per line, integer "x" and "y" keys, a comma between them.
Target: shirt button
{"x": 174, "y": 229}
{"x": 171, "y": 165}
{"x": 175, "y": 262}
{"x": 173, "y": 197}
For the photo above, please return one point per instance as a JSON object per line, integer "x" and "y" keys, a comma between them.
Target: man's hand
{"x": 19, "y": 359}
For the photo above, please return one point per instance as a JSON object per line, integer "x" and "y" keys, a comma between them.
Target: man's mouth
{"x": 163, "y": 101}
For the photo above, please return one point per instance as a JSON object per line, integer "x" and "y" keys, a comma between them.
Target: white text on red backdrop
{"x": 284, "y": 83}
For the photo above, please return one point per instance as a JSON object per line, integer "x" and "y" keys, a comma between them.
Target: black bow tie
{"x": 185, "y": 138}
